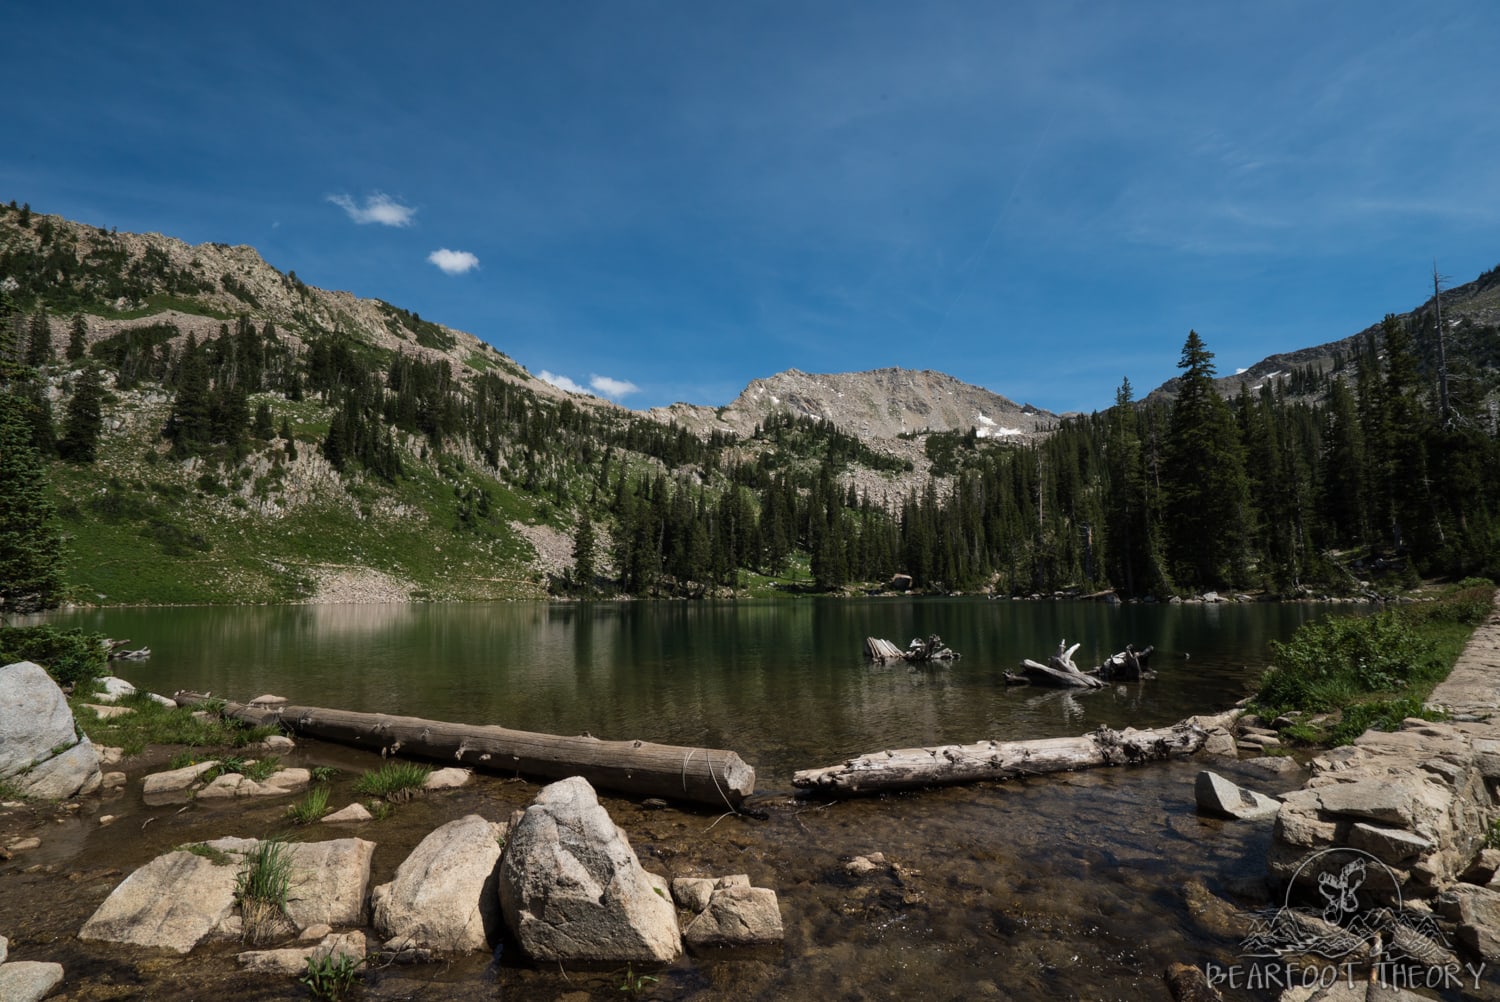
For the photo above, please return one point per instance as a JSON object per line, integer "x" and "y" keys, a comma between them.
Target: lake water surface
{"x": 783, "y": 683}
{"x": 1082, "y": 886}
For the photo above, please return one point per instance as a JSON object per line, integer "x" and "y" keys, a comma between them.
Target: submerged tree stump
{"x": 707, "y": 776}
{"x": 913, "y": 768}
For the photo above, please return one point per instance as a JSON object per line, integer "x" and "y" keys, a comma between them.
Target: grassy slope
{"x": 145, "y": 531}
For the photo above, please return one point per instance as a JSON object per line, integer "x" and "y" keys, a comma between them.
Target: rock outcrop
{"x": 183, "y": 897}
{"x": 41, "y": 752}
{"x": 572, "y": 889}
{"x": 445, "y": 895}
{"x": 173, "y": 902}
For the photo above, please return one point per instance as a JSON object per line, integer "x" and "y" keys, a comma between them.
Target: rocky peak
{"x": 878, "y": 404}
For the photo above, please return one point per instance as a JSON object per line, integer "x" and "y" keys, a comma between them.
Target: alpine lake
{"x": 1075, "y": 886}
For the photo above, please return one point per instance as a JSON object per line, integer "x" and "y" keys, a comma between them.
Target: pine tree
{"x": 83, "y": 421}
{"x": 78, "y": 329}
{"x": 30, "y": 544}
{"x": 583, "y": 555}
{"x": 1206, "y": 494}
{"x": 39, "y": 346}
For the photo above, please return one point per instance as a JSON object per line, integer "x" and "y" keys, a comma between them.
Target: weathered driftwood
{"x": 115, "y": 651}
{"x": 911, "y": 768}
{"x": 931, "y": 649}
{"x": 1128, "y": 665}
{"x": 1040, "y": 674}
{"x": 699, "y": 775}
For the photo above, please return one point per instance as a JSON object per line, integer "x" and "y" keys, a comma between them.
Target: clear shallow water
{"x": 1082, "y": 886}
{"x": 784, "y": 684}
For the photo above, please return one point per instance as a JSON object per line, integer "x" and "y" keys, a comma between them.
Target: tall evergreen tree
{"x": 84, "y": 419}
{"x": 78, "y": 329}
{"x": 1206, "y": 494}
{"x": 30, "y": 543}
{"x": 584, "y": 545}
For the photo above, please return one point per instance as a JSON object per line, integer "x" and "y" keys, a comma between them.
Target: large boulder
{"x": 180, "y": 898}
{"x": 445, "y": 895}
{"x": 174, "y": 901}
{"x": 41, "y": 753}
{"x": 572, "y": 889}
{"x": 328, "y": 882}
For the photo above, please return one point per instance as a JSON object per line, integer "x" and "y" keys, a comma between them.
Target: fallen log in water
{"x": 701, "y": 775}
{"x": 912, "y": 768}
{"x": 931, "y": 649}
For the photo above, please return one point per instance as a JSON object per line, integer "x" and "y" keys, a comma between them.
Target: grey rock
{"x": 1389, "y": 845}
{"x": 450, "y": 778}
{"x": 737, "y": 915}
{"x": 571, "y": 887}
{"x": 1477, "y": 912}
{"x": 4, "y": 949}
{"x": 173, "y": 902}
{"x": 1220, "y": 743}
{"x": 175, "y": 780}
{"x": 445, "y": 895}
{"x": 1217, "y": 795}
{"x": 113, "y": 689}
{"x": 328, "y": 882}
{"x": 41, "y": 753}
{"x": 692, "y": 893}
{"x": 28, "y": 980}
{"x": 74, "y": 772}
{"x": 352, "y": 813}
{"x": 293, "y": 960}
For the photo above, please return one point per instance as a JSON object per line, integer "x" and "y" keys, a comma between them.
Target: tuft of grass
{"x": 329, "y": 978}
{"x": 310, "y": 808}
{"x": 323, "y": 773}
{"x": 379, "y": 809}
{"x": 261, "y": 890}
{"x": 396, "y": 782}
{"x": 218, "y": 857}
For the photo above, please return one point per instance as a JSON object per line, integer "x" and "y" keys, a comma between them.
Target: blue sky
{"x": 667, "y": 200}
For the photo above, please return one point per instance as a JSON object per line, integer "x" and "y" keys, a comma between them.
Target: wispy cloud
{"x": 603, "y": 386}
{"x": 378, "y": 208}
{"x": 561, "y": 382}
{"x": 613, "y": 388}
{"x": 453, "y": 262}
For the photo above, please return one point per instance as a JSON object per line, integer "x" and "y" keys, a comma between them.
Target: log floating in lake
{"x": 931, "y": 649}
{"x": 912, "y": 768}
{"x": 701, "y": 775}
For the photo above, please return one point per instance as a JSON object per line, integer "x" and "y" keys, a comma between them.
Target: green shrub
{"x": 1327, "y": 663}
{"x": 71, "y": 657}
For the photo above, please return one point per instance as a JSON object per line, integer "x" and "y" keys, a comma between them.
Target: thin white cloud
{"x": 453, "y": 262}
{"x": 378, "y": 208}
{"x": 613, "y": 388}
{"x": 561, "y": 382}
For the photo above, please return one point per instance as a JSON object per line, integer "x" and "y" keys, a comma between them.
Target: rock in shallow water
{"x": 571, "y": 887}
